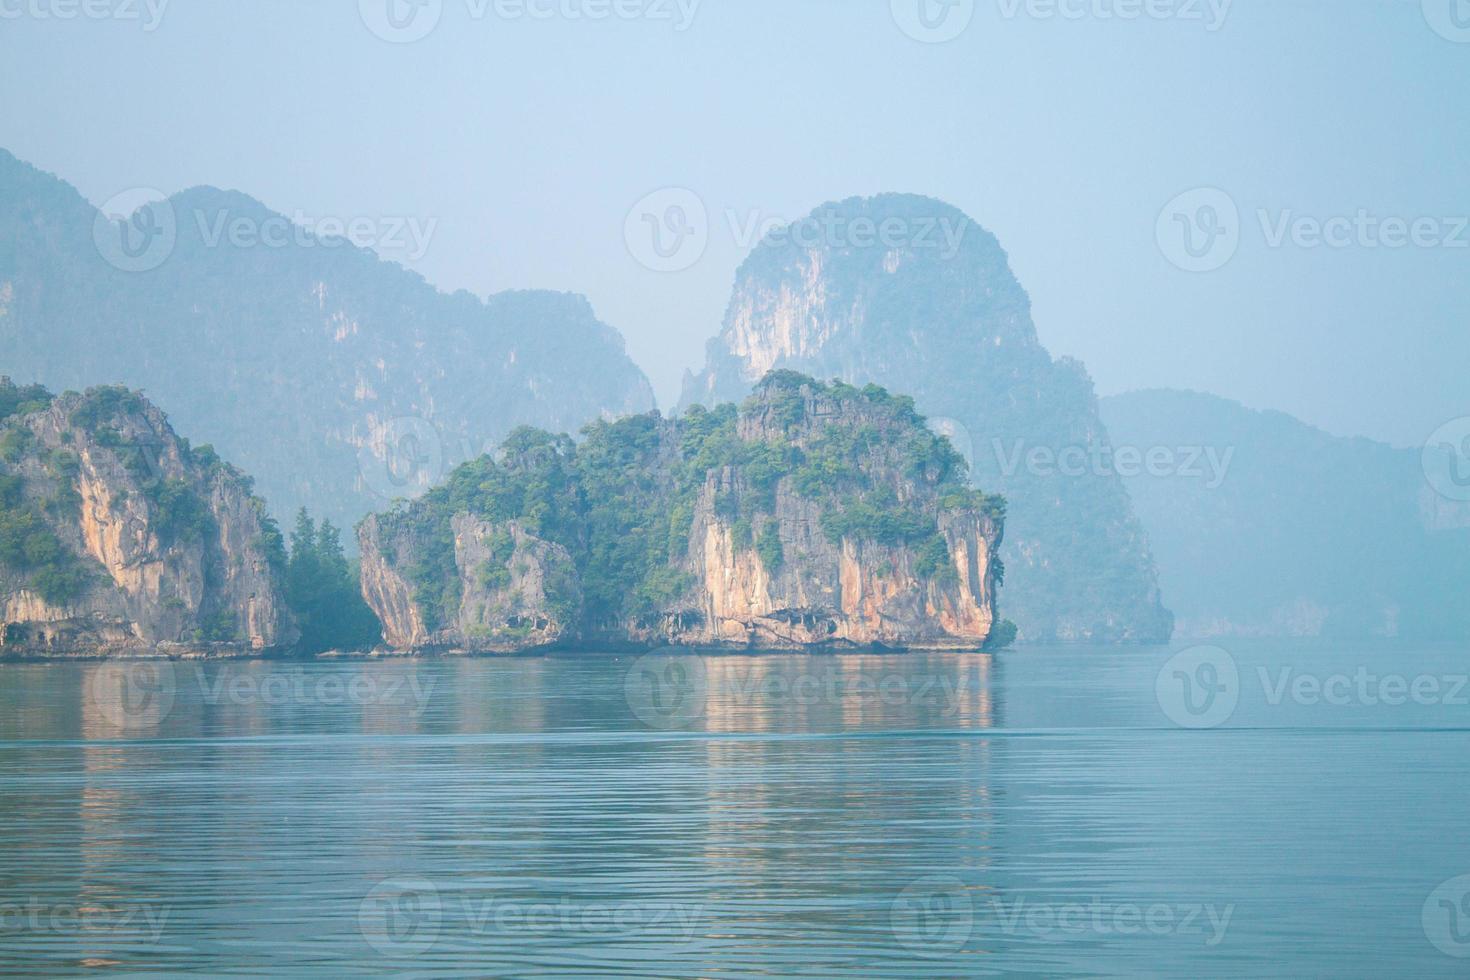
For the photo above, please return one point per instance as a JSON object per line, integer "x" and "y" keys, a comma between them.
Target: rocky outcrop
{"x": 117, "y": 537}
{"x": 851, "y": 592}
{"x": 817, "y": 516}
{"x": 513, "y": 591}
{"x": 516, "y": 590}
{"x": 386, "y": 589}
{"x": 910, "y": 293}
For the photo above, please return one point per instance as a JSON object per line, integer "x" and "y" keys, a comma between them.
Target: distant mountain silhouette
{"x": 338, "y": 379}
{"x": 1304, "y": 533}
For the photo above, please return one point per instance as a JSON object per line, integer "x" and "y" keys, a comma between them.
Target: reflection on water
{"x": 918, "y": 815}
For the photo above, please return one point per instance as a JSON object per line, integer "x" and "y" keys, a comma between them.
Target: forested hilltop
{"x": 812, "y": 515}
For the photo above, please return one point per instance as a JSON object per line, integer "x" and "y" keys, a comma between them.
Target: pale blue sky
{"x": 528, "y": 140}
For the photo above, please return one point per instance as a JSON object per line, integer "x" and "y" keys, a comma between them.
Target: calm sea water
{"x": 1262, "y": 811}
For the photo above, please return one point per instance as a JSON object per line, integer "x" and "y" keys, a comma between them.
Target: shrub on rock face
{"x": 1002, "y": 636}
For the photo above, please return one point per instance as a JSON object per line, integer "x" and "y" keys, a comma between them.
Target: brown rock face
{"x": 858, "y": 592}
{"x": 386, "y": 590}
{"x": 514, "y": 590}
{"x": 844, "y": 523}
{"x": 171, "y": 551}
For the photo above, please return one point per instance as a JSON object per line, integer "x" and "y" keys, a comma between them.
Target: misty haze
{"x": 918, "y": 488}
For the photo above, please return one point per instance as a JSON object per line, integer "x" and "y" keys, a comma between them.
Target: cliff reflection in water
{"x": 841, "y": 693}
{"x": 834, "y": 815}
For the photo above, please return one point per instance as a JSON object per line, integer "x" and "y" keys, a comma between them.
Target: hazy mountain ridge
{"x": 941, "y": 317}
{"x": 1306, "y": 533}
{"x": 311, "y": 362}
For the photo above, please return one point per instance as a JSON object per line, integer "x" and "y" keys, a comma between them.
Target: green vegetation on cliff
{"x": 622, "y": 502}
{"x": 29, "y": 545}
{"x": 178, "y": 512}
{"x": 21, "y": 399}
{"x": 155, "y": 481}
{"x": 31, "y": 506}
{"x": 116, "y": 534}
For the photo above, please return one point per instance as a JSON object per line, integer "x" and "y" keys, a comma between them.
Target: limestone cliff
{"x": 117, "y": 537}
{"x": 856, "y": 591}
{"x": 514, "y": 590}
{"x": 814, "y": 516}
{"x": 910, "y": 293}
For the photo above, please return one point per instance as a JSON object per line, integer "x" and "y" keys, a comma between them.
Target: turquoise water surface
{"x": 1268, "y": 810}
